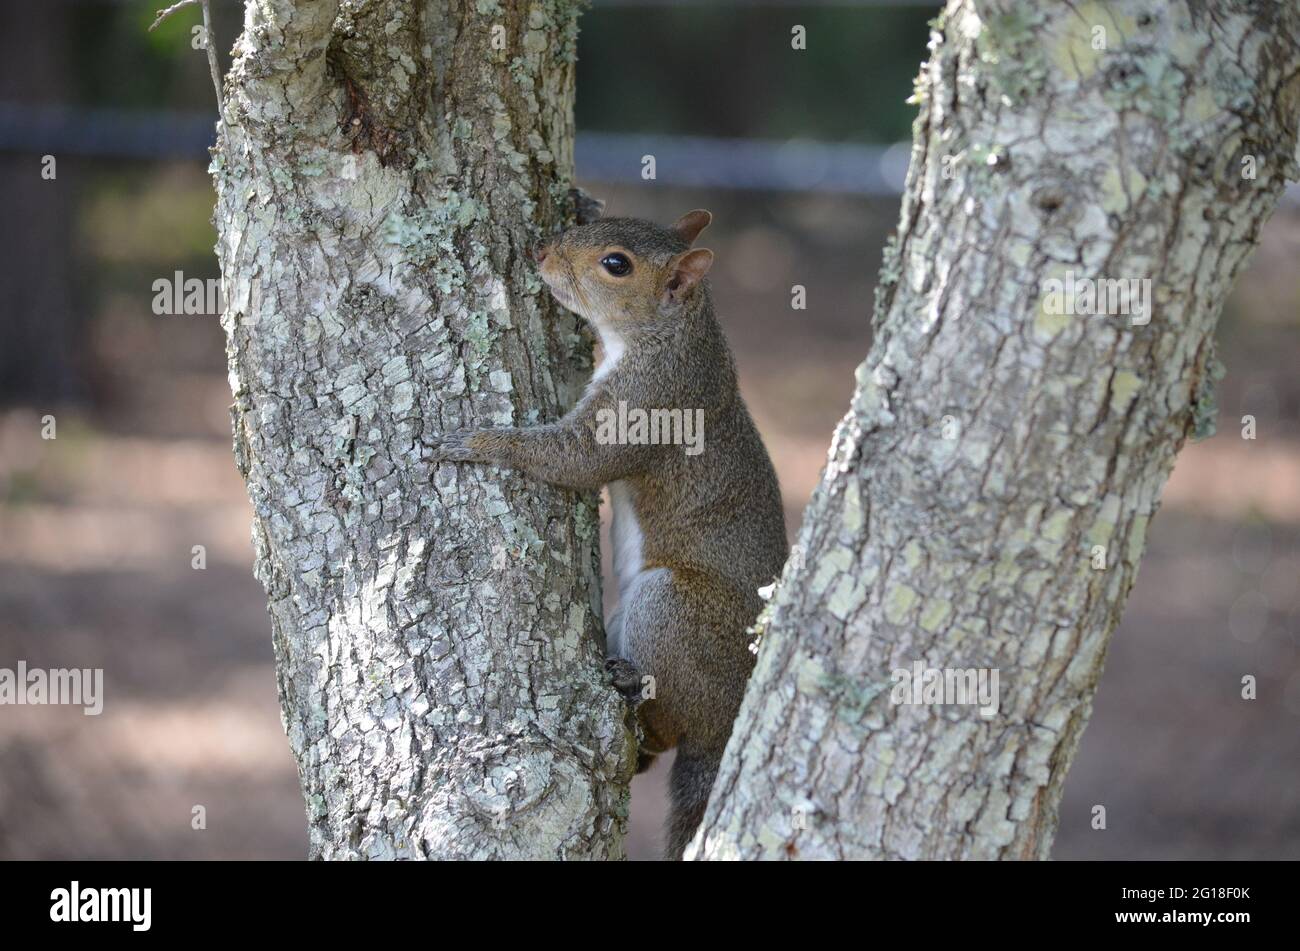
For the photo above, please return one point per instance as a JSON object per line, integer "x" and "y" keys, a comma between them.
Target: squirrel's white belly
{"x": 626, "y": 541}
{"x": 625, "y": 535}
{"x": 612, "y": 347}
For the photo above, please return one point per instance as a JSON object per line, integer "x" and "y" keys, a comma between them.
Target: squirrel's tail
{"x": 689, "y": 785}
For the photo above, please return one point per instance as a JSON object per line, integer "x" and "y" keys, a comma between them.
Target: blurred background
{"x": 796, "y": 153}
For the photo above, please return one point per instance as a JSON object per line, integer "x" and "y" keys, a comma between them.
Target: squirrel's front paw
{"x": 626, "y": 679}
{"x": 455, "y": 446}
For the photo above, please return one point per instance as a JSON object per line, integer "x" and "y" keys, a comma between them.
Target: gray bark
{"x": 977, "y": 551}
{"x": 382, "y": 172}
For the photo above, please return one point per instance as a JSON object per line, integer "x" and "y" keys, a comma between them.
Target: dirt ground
{"x": 98, "y": 527}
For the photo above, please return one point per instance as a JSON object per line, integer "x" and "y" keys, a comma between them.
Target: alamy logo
{"x": 963, "y": 686}
{"x": 1129, "y": 297}
{"x": 59, "y": 686}
{"x": 181, "y": 295}
{"x": 655, "y": 427}
{"x": 103, "y": 904}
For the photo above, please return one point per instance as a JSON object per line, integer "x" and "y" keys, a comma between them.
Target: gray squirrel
{"x": 696, "y": 530}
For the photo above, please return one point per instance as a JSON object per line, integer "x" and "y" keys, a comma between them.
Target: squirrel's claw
{"x": 625, "y": 678}
{"x": 454, "y": 446}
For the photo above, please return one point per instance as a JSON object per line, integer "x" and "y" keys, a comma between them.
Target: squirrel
{"x": 696, "y": 530}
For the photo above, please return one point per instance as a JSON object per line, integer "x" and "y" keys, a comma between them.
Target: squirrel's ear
{"x": 691, "y": 224}
{"x": 586, "y": 207}
{"x": 685, "y": 271}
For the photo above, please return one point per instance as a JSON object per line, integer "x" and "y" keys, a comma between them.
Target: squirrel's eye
{"x": 616, "y": 264}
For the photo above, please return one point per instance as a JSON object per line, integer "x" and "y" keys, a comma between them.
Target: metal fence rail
{"x": 609, "y": 157}
{"x": 689, "y": 161}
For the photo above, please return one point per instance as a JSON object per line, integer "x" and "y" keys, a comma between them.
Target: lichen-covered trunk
{"x": 987, "y": 496}
{"x": 383, "y": 168}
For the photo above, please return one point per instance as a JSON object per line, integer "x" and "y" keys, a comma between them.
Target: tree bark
{"x": 993, "y": 446}
{"x": 382, "y": 172}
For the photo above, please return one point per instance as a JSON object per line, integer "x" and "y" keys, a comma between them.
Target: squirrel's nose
{"x": 539, "y": 254}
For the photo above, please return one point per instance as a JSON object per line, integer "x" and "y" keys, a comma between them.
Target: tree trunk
{"x": 987, "y": 496}
{"x": 384, "y": 168}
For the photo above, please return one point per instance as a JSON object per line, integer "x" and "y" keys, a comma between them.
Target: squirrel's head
{"x": 622, "y": 273}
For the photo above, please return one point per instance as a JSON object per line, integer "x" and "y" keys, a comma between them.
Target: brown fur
{"x": 714, "y": 521}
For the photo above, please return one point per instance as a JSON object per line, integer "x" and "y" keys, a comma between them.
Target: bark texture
{"x": 384, "y": 167}
{"x": 993, "y": 445}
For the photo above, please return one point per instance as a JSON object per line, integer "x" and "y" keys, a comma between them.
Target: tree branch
{"x": 213, "y": 67}
{"x": 987, "y": 496}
